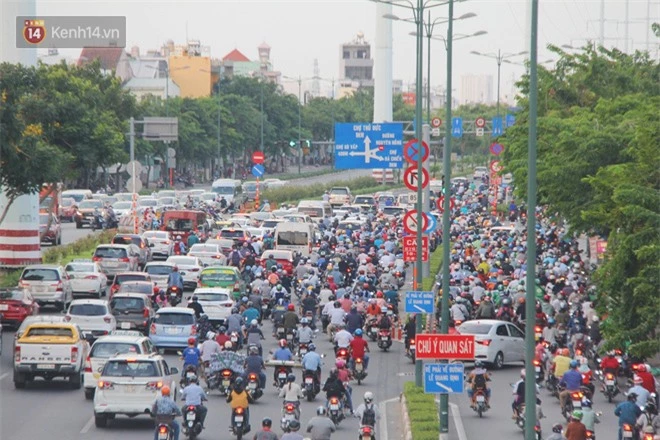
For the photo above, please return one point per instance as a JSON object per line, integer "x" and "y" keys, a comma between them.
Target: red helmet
{"x": 379, "y": 294}
{"x": 282, "y": 343}
{"x": 291, "y": 307}
{"x": 191, "y": 341}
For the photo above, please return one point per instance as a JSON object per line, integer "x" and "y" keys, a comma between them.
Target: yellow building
{"x": 192, "y": 74}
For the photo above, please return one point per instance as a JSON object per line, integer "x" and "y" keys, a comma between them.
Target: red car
{"x": 67, "y": 209}
{"x": 16, "y": 304}
{"x": 285, "y": 258}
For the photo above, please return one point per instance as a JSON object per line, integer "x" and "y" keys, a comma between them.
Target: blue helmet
{"x": 574, "y": 364}
{"x": 358, "y": 332}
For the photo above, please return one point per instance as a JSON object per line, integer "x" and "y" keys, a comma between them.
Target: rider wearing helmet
{"x": 561, "y": 363}
{"x": 196, "y": 306}
{"x": 254, "y": 364}
{"x": 208, "y": 349}
{"x": 194, "y": 395}
{"x": 165, "y": 411}
{"x": 281, "y": 354}
{"x": 359, "y": 349}
{"x": 368, "y": 412}
{"x": 320, "y": 426}
{"x": 290, "y": 320}
{"x": 589, "y": 416}
{"x": 266, "y": 432}
{"x": 312, "y": 362}
{"x": 575, "y": 429}
{"x": 291, "y": 433}
{"x": 240, "y": 398}
{"x": 571, "y": 380}
{"x": 174, "y": 279}
{"x": 557, "y": 428}
{"x": 628, "y": 412}
{"x": 479, "y": 378}
{"x": 292, "y": 393}
{"x": 305, "y": 333}
{"x": 191, "y": 356}
{"x": 518, "y": 394}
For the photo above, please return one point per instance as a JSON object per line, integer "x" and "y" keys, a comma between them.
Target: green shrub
{"x": 423, "y": 412}
{"x": 297, "y": 193}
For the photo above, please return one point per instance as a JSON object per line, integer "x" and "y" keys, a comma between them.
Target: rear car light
{"x": 17, "y": 354}
{"x": 145, "y": 313}
{"x": 67, "y": 318}
{"x": 485, "y": 342}
{"x": 193, "y": 330}
{"x": 88, "y": 365}
{"x": 194, "y": 269}
{"x": 124, "y": 260}
{"x": 152, "y": 329}
{"x": 105, "y": 385}
{"x": 155, "y": 386}
{"x": 59, "y": 287}
{"x": 96, "y": 259}
{"x": 22, "y": 284}
{"x": 107, "y": 319}
{"x": 74, "y": 355}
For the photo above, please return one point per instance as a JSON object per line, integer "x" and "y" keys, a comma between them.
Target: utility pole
{"x": 300, "y": 155}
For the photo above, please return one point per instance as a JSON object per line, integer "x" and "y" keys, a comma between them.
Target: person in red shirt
{"x": 222, "y": 337}
{"x": 609, "y": 364}
{"x": 359, "y": 349}
{"x": 648, "y": 381}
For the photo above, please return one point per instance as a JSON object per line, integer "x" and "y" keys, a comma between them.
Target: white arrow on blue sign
{"x": 258, "y": 170}
{"x": 444, "y": 378}
{"x": 420, "y": 302}
{"x": 433, "y": 223}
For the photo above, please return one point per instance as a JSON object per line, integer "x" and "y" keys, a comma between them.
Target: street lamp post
{"x": 499, "y": 57}
{"x": 299, "y": 80}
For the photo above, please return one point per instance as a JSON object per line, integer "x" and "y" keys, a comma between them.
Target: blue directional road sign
{"x": 457, "y": 127}
{"x": 368, "y": 145}
{"x": 510, "y": 120}
{"x": 443, "y": 378}
{"x": 497, "y": 126}
{"x": 420, "y": 302}
{"x": 433, "y": 223}
{"x": 258, "y": 170}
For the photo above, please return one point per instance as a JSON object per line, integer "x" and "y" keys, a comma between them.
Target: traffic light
{"x": 292, "y": 144}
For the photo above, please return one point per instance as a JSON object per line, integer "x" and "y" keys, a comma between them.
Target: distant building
{"x": 476, "y": 89}
{"x": 112, "y": 59}
{"x": 355, "y": 63}
{"x": 236, "y": 63}
{"x": 161, "y": 87}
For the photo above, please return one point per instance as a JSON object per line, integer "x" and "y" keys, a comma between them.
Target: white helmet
{"x": 210, "y": 335}
{"x": 368, "y": 397}
{"x": 228, "y": 345}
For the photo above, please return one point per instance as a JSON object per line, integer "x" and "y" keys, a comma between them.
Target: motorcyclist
{"x": 367, "y": 412}
{"x": 192, "y": 239}
{"x": 343, "y": 337}
{"x": 354, "y": 320}
{"x": 254, "y": 364}
{"x": 550, "y": 332}
{"x": 292, "y": 431}
{"x": 638, "y": 389}
{"x": 479, "y": 379}
{"x": 486, "y": 309}
{"x": 292, "y": 393}
{"x": 334, "y": 387}
{"x": 628, "y": 412}
{"x": 165, "y": 410}
{"x": 410, "y": 329}
{"x": 196, "y": 306}
{"x": 345, "y": 376}
{"x": 321, "y": 427}
{"x": 557, "y": 429}
{"x": 589, "y": 416}
{"x": 266, "y": 433}
{"x": 179, "y": 245}
{"x": 254, "y": 335}
{"x": 174, "y": 279}
{"x": 575, "y": 430}
{"x": 571, "y": 380}
{"x": 290, "y": 320}
{"x": 193, "y": 394}
{"x": 281, "y": 354}
{"x": 305, "y": 333}
{"x": 191, "y": 356}
{"x": 209, "y": 348}
{"x": 518, "y": 394}
{"x": 240, "y": 398}
{"x": 359, "y": 349}
{"x": 561, "y": 363}
{"x": 610, "y": 364}
{"x": 312, "y": 362}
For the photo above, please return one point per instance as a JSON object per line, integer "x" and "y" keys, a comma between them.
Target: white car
{"x": 162, "y": 247}
{"x": 217, "y": 302}
{"x": 189, "y": 267}
{"x": 86, "y": 278}
{"x": 208, "y": 254}
{"x": 159, "y": 271}
{"x": 122, "y": 208}
{"x": 116, "y": 343}
{"x": 241, "y": 221}
{"x": 256, "y": 232}
{"x": 92, "y": 316}
{"x": 168, "y": 203}
{"x": 274, "y": 183}
{"x": 480, "y": 173}
{"x": 270, "y": 224}
{"x": 496, "y": 342}
{"x": 129, "y": 384}
{"x": 145, "y": 203}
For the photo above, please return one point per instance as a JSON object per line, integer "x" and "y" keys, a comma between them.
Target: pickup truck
{"x": 50, "y": 350}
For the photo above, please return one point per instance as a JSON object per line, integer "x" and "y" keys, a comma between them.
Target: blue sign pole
{"x": 369, "y": 145}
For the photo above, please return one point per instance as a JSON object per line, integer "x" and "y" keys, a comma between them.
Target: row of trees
{"x": 599, "y": 167}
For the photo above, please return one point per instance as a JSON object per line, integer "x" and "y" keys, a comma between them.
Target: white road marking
{"x": 382, "y": 423}
{"x": 458, "y": 421}
{"x": 87, "y": 426}
{"x": 4, "y": 375}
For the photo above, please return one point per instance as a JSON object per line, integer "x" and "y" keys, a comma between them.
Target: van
{"x": 182, "y": 222}
{"x": 78, "y": 194}
{"x": 316, "y": 209}
{"x": 230, "y": 189}
{"x": 295, "y": 237}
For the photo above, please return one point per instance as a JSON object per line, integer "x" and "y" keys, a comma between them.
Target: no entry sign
{"x": 258, "y": 157}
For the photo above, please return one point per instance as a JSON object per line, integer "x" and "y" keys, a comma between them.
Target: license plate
{"x": 289, "y": 337}
{"x": 238, "y": 419}
{"x": 627, "y": 434}
{"x": 252, "y": 385}
{"x": 358, "y": 367}
{"x": 111, "y": 263}
{"x": 130, "y": 388}
{"x": 4, "y": 307}
{"x": 172, "y": 330}
{"x": 280, "y": 330}
{"x": 577, "y": 404}
{"x": 190, "y": 374}
{"x": 190, "y": 416}
{"x": 538, "y": 369}
{"x": 282, "y": 375}
{"x": 481, "y": 399}
{"x": 334, "y": 407}
{"x": 309, "y": 380}
{"x": 45, "y": 366}
{"x": 384, "y": 338}
{"x": 225, "y": 383}
{"x": 125, "y": 325}
{"x": 41, "y": 289}
{"x": 609, "y": 382}
{"x": 162, "y": 436}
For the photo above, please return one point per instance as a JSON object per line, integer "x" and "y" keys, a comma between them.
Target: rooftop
{"x": 236, "y": 56}
{"x": 108, "y": 56}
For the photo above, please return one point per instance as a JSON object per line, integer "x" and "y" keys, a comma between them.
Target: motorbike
{"x": 290, "y": 411}
{"x": 574, "y": 403}
{"x": 226, "y": 379}
{"x": 191, "y": 372}
{"x": 538, "y": 370}
{"x": 520, "y": 422}
{"x": 164, "y": 432}
{"x": 629, "y": 431}
{"x": 359, "y": 373}
{"x": 191, "y": 425}
{"x": 238, "y": 426}
{"x": 253, "y": 387}
{"x": 302, "y": 350}
{"x": 342, "y": 353}
{"x": 411, "y": 350}
{"x": 233, "y": 338}
{"x": 265, "y": 308}
{"x": 367, "y": 433}
{"x": 291, "y": 339}
{"x": 480, "y": 401}
{"x": 280, "y": 333}
{"x": 538, "y": 332}
{"x": 310, "y": 387}
{"x": 373, "y": 330}
{"x": 591, "y": 435}
{"x": 98, "y": 222}
{"x": 611, "y": 389}
{"x": 384, "y": 339}
{"x": 175, "y": 293}
{"x": 335, "y": 410}
{"x": 552, "y": 384}
{"x": 282, "y": 374}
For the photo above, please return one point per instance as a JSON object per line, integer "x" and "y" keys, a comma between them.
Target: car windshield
{"x": 127, "y": 304}
{"x": 166, "y": 201}
{"x": 124, "y": 239}
{"x": 50, "y": 331}
{"x": 159, "y": 269}
{"x": 174, "y": 319}
{"x": 128, "y": 287}
{"x": 364, "y": 200}
{"x": 392, "y": 210}
{"x": 182, "y": 261}
{"x": 180, "y": 224}
{"x": 122, "y": 205}
{"x": 109, "y": 252}
{"x": 88, "y": 309}
{"x": 91, "y": 204}
{"x": 148, "y": 202}
{"x": 129, "y": 368}
{"x": 278, "y": 255}
{"x": 218, "y": 276}
{"x": 80, "y": 267}
{"x": 208, "y": 196}
{"x": 212, "y": 297}
{"x": 204, "y": 248}
{"x": 15, "y": 295}
{"x": 224, "y": 190}
{"x": 270, "y": 223}
{"x": 339, "y": 191}
{"x": 470, "y": 328}
{"x": 107, "y": 350}
{"x": 250, "y": 186}
{"x": 292, "y": 238}
{"x": 66, "y": 202}
{"x": 40, "y": 275}
{"x": 310, "y": 211}
{"x": 122, "y": 278}
{"x": 156, "y": 235}
{"x": 237, "y": 233}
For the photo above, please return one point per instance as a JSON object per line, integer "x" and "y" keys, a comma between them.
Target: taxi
{"x": 116, "y": 343}
{"x": 228, "y": 277}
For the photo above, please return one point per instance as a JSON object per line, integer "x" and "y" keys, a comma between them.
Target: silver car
{"x": 117, "y": 258}
{"x": 49, "y": 284}
{"x": 161, "y": 244}
{"x": 159, "y": 271}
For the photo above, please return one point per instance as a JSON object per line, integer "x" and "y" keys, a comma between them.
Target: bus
{"x": 294, "y": 237}
{"x": 182, "y": 222}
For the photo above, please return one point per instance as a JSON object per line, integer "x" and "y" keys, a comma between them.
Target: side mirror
{"x": 174, "y": 371}
{"x": 152, "y": 245}
{"x": 180, "y": 353}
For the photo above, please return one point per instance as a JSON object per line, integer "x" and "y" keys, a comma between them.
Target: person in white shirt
{"x": 343, "y": 338}
{"x": 336, "y": 315}
{"x": 292, "y": 393}
{"x": 209, "y": 348}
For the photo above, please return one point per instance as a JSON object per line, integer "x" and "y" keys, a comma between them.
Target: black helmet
{"x": 267, "y": 422}
{"x": 294, "y": 425}
{"x": 291, "y": 377}
{"x": 557, "y": 427}
{"x": 238, "y": 382}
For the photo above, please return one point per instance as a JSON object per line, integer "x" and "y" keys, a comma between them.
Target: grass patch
{"x": 423, "y": 412}
{"x": 79, "y": 249}
{"x": 435, "y": 260}
{"x": 315, "y": 191}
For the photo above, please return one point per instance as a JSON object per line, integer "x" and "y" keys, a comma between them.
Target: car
{"x": 50, "y": 233}
{"x": 87, "y": 278}
{"x": 86, "y": 210}
{"x": 256, "y": 232}
{"x": 124, "y": 197}
{"x": 16, "y": 305}
{"x": 67, "y": 209}
{"x": 132, "y": 310}
{"x": 507, "y": 179}
{"x": 269, "y": 225}
{"x": 93, "y": 316}
{"x": 118, "y": 342}
{"x": 274, "y": 183}
{"x": 129, "y": 384}
{"x": 159, "y": 271}
{"x": 172, "y": 326}
{"x": 260, "y": 216}
{"x": 167, "y": 203}
{"x": 116, "y": 258}
{"x": 147, "y": 202}
{"x": 496, "y": 342}
{"x": 217, "y": 302}
{"x": 285, "y": 258}
{"x": 280, "y": 213}
{"x": 208, "y": 254}
{"x": 298, "y": 218}
{"x": 241, "y": 222}
{"x": 458, "y": 181}
{"x": 480, "y": 173}
{"x": 226, "y": 244}
{"x": 189, "y": 267}
{"x": 124, "y": 277}
{"x": 228, "y": 277}
{"x": 32, "y": 319}
{"x": 393, "y": 211}
{"x": 49, "y": 284}
{"x": 368, "y": 201}
{"x": 140, "y": 242}
{"x": 122, "y": 208}
{"x": 340, "y": 196}
{"x": 386, "y": 199}
{"x": 161, "y": 244}
{"x": 166, "y": 193}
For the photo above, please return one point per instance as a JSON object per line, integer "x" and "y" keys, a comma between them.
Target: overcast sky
{"x": 301, "y": 31}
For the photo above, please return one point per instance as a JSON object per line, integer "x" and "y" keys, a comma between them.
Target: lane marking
{"x": 382, "y": 423}
{"x": 4, "y": 375}
{"x": 458, "y": 421}
{"x": 87, "y": 426}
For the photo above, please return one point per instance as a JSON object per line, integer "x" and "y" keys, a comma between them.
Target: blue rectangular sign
{"x": 443, "y": 378}
{"x": 457, "y": 127}
{"x": 510, "y": 120}
{"x": 368, "y": 145}
{"x": 497, "y": 126}
{"x": 420, "y": 302}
